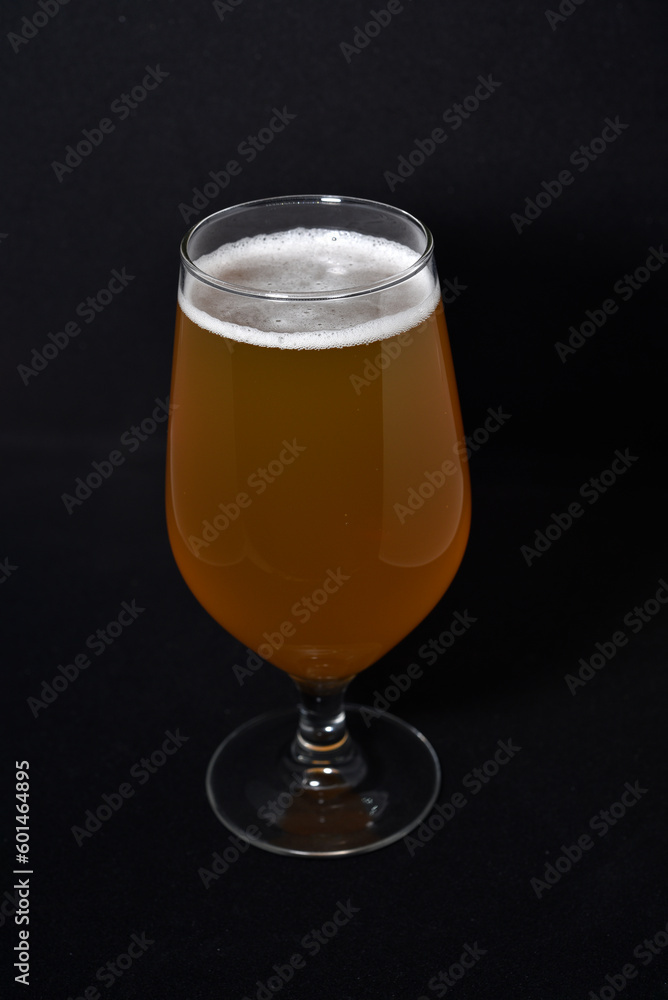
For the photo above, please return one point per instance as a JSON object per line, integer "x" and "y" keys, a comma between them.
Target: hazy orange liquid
{"x": 327, "y": 566}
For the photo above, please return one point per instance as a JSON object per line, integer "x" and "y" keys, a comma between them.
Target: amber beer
{"x": 317, "y": 502}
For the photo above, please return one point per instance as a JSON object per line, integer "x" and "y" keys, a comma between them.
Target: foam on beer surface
{"x": 310, "y": 261}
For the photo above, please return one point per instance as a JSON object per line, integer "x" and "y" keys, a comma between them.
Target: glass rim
{"x": 314, "y": 199}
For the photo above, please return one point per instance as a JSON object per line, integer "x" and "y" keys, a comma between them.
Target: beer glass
{"x": 318, "y": 498}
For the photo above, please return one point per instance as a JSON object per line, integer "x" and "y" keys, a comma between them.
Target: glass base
{"x": 264, "y": 796}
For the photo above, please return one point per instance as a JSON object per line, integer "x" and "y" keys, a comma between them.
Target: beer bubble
{"x": 306, "y": 261}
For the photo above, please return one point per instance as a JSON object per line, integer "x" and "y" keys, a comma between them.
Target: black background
{"x": 119, "y": 208}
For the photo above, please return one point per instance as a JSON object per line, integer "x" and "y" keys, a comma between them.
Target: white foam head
{"x": 313, "y": 262}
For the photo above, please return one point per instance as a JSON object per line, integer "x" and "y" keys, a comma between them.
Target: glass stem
{"x": 322, "y": 740}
